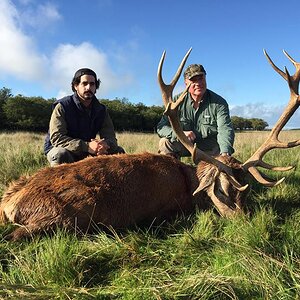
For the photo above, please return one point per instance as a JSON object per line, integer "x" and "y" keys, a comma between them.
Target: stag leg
{"x": 19, "y": 233}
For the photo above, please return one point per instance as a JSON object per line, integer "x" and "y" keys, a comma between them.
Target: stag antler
{"x": 172, "y": 112}
{"x": 272, "y": 141}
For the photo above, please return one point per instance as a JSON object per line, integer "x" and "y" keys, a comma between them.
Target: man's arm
{"x": 58, "y": 133}
{"x": 225, "y": 130}
{"x": 107, "y": 132}
{"x": 164, "y": 128}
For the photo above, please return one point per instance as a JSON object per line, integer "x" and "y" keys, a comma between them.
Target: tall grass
{"x": 200, "y": 256}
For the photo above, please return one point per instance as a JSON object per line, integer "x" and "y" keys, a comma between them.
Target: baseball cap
{"x": 85, "y": 71}
{"x": 194, "y": 70}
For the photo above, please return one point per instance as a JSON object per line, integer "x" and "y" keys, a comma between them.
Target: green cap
{"x": 194, "y": 70}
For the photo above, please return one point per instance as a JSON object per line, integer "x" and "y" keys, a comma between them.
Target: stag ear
{"x": 206, "y": 177}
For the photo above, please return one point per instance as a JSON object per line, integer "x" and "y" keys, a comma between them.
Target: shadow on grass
{"x": 283, "y": 203}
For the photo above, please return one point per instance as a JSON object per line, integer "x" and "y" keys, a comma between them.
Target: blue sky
{"x": 44, "y": 42}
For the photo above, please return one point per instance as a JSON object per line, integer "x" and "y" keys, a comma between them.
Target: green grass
{"x": 201, "y": 256}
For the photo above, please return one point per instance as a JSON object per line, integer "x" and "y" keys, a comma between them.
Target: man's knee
{"x": 165, "y": 146}
{"x": 175, "y": 149}
{"x": 59, "y": 155}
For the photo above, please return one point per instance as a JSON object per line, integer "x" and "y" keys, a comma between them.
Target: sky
{"x": 43, "y": 43}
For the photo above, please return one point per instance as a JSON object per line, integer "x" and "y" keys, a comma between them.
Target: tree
{"x": 237, "y": 122}
{"x": 33, "y": 113}
{"x": 244, "y": 124}
{"x": 152, "y": 115}
{"x": 258, "y": 124}
{"x": 27, "y": 113}
{"x": 5, "y": 94}
{"x": 136, "y": 117}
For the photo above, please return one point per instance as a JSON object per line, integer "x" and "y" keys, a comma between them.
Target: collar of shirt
{"x": 205, "y": 97}
{"x": 80, "y": 106}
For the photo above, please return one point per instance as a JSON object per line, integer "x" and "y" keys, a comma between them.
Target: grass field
{"x": 200, "y": 256}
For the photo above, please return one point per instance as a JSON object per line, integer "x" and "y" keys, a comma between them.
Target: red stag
{"x": 122, "y": 190}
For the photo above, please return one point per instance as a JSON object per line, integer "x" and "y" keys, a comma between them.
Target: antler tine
{"x": 172, "y": 112}
{"x": 290, "y": 58}
{"x": 272, "y": 141}
{"x": 263, "y": 179}
{"x": 167, "y": 95}
{"x": 167, "y": 89}
{"x": 294, "y": 85}
{"x": 274, "y": 66}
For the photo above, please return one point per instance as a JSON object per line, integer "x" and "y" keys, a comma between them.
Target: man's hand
{"x": 190, "y": 135}
{"x": 98, "y": 147}
{"x": 225, "y": 154}
{"x": 102, "y": 147}
{"x": 93, "y": 146}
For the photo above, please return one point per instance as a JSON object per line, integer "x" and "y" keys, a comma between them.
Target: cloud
{"x": 18, "y": 55}
{"x": 20, "y": 58}
{"x": 67, "y": 58}
{"x": 268, "y": 113}
{"x": 40, "y": 16}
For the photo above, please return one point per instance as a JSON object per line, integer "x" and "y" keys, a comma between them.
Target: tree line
{"x": 33, "y": 114}
{"x": 248, "y": 124}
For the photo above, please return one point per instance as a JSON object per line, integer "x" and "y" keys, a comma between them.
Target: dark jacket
{"x": 80, "y": 123}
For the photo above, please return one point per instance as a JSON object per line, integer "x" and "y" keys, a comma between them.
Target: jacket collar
{"x": 204, "y": 99}
{"x": 79, "y": 104}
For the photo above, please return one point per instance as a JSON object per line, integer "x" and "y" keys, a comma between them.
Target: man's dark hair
{"x": 84, "y": 71}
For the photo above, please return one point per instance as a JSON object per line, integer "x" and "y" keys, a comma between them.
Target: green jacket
{"x": 211, "y": 122}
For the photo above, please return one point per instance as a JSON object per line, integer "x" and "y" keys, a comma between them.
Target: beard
{"x": 88, "y": 95}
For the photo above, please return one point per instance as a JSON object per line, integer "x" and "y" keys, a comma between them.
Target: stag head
{"x": 224, "y": 179}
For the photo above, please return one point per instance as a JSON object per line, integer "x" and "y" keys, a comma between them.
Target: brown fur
{"x": 114, "y": 190}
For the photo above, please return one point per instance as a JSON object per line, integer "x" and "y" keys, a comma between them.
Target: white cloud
{"x": 20, "y": 59}
{"x": 68, "y": 58}
{"x": 18, "y": 55}
{"x": 40, "y": 16}
{"x": 268, "y": 113}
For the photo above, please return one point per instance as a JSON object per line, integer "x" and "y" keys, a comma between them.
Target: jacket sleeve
{"x": 164, "y": 128}
{"x": 107, "y": 132}
{"x": 225, "y": 129}
{"x": 58, "y": 133}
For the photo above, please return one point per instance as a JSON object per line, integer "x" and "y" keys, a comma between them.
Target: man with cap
{"x": 75, "y": 122}
{"x": 204, "y": 117}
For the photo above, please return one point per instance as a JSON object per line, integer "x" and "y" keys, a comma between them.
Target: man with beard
{"x": 204, "y": 117}
{"x": 75, "y": 122}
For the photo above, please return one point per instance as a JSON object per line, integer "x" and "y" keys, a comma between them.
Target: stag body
{"x": 117, "y": 191}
